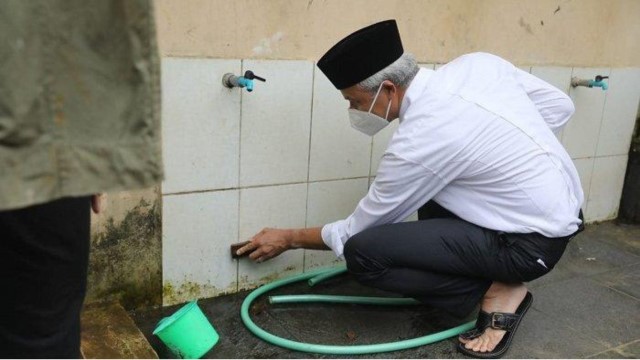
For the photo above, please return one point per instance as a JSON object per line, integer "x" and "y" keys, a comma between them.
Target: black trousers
{"x": 44, "y": 252}
{"x": 446, "y": 262}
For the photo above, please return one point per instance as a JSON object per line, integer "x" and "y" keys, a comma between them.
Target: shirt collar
{"x": 416, "y": 88}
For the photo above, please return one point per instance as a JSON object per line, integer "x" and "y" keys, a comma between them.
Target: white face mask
{"x": 367, "y": 122}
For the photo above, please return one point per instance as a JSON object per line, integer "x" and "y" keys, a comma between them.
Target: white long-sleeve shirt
{"x": 477, "y": 137}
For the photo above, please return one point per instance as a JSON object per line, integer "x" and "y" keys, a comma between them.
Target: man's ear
{"x": 389, "y": 86}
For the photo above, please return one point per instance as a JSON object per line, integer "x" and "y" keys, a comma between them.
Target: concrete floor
{"x": 588, "y": 306}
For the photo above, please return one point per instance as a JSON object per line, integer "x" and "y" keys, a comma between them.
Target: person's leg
{"x": 539, "y": 256}
{"x": 452, "y": 264}
{"x": 43, "y": 269}
{"x": 433, "y": 210}
{"x": 447, "y": 263}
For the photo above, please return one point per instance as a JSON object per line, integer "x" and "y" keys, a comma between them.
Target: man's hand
{"x": 267, "y": 244}
{"x": 98, "y": 203}
{"x": 270, "y": 243}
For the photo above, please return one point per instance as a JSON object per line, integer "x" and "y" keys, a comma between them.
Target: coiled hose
{"x": 316, "y": 277}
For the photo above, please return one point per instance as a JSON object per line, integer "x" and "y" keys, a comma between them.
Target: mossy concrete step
{"x": 109, "y": 333}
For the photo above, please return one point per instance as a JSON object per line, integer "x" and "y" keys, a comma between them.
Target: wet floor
{"x": 588, "y": 306}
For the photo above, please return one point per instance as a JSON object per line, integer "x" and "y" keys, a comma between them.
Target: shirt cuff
{"x": 331, "y": 237}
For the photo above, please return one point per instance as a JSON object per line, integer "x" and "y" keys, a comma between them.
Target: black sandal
{"x": 499, "y": 321}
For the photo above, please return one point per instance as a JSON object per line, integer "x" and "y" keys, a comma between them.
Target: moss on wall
{"x": 189, "y": 290}
{"x": 126, "y": 258}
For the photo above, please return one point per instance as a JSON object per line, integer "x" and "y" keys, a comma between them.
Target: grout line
{"x": 588, "y": 198}
{"x": 331, "y": 180}
{"x": 593, "y": 165}
{"x": 570, "y": 92}
{"x": 306, "y": 208}
{"x": 261, "y": 186}
{"x": 313, "y": 75}
{"x": 599, "y": 157}
{"x": 604, "y": 106}
{"x": 239, "y": 175}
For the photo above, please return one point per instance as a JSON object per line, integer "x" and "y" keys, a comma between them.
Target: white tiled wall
{"x": 285, "y": 156}
{"x": 276, "y": 121}
{"x": 598, "y": 136}
{"x": 201, "y": 125}
{"x": 196, "y": 231}
{"x": 335, "y": 152}
{"x": 282, "y": 206}
{"x": 621, "y": 103}
{"x": 607, "y": 179}
{"x": 580, "y": 135}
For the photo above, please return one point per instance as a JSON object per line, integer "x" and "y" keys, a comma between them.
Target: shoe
{"x": 499, "y": 321}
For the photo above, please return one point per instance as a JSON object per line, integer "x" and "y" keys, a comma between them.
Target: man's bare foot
{"x": 500, "y": 297}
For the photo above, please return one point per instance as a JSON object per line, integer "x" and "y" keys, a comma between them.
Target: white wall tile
{"x": 337, "y": 150}
{"x": 620, "y": 112}
{"x": 197, "y": 230}
{"x": 276, "y": 122}
{"x": 606, "y": 187}
{"x": 276, "y": 207}
{"x": 412, "y": 217}
{"x": 330, "y": 201}
{"x": 580, "y": 135}
{"x": 200, "y": 125}
{"x": 585, "y": 168}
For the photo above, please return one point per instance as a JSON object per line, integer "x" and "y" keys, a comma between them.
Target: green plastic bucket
{"x": 187, "y": 332}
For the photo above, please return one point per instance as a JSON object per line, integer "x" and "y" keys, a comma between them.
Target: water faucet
{"x": 597, "y": 82}
{"x": 246, "y": 81}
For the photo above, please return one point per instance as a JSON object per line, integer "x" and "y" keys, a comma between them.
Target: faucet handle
{"x": 600, "y": 77}
{"x": 250, "y": 75}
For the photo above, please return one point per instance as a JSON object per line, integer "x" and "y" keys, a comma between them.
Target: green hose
{"x": 327, "y": 273}
{"x": 323, "y": 274}
{"x": 362, "y": 300}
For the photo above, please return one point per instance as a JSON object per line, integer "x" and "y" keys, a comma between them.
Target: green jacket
{"x": 79, "y": 99}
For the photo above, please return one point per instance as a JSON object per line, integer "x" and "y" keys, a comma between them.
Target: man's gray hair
{"x": 400, "y": 72}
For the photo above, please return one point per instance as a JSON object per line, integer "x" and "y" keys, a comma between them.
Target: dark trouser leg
{"x": 433, "y": 210}
{"x": 44, "y": 251}
{"x": 447, "y": 262}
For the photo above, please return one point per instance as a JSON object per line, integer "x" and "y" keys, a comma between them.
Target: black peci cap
{"x": 362, "y": 54}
